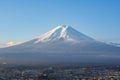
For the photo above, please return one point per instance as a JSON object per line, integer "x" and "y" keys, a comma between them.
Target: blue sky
{"x": 22, "y": 20}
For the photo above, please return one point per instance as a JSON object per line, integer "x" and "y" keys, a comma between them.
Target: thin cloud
{"x": 12, "y": 43}
{"x": 2, "y": 45}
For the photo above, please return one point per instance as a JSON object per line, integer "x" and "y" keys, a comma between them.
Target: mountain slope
{"x": 65, "y": 40}
{"x": 62, "y": 40}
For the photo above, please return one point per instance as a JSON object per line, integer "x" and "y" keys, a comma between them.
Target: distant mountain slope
{"x": 114, "y": 44}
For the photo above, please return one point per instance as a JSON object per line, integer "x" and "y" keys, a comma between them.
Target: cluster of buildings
{"x": 73, "y": 72}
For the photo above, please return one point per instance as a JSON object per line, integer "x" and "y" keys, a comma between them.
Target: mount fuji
{"x": 61, "y": 44}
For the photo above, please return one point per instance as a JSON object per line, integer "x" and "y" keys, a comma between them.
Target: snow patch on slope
{"x": 114, "y": 44}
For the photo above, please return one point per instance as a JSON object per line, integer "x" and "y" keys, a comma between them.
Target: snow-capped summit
{"x": 63, "y": 32}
